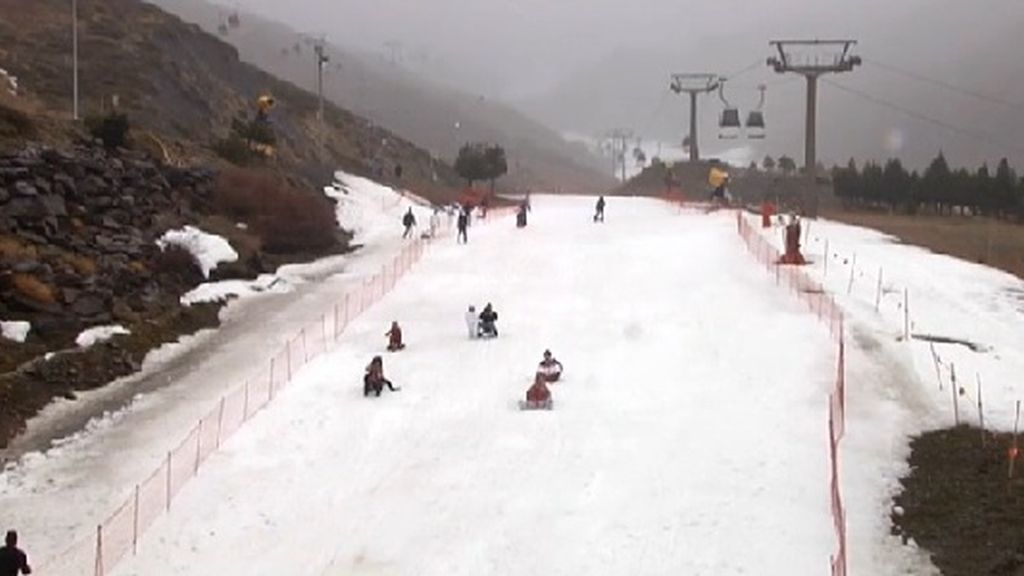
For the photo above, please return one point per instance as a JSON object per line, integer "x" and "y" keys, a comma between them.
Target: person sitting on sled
{"x": 374, "y": 380}
{"x": 550, "y": 367}
{"x": 394, "y": 338}
{"x": 487, "y": 319}
{"x": 538, "y": 395}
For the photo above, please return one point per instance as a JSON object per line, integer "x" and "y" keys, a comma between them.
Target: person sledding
{"x": 487, "y": 327}
{"x": 550, "y": 367}
{"x": 395, "y": 338}
{"x": 538, "y": 396}
{"x": 374, "y": 380}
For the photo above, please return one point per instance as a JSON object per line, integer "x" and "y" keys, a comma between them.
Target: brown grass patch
{"x": 83, "y": 265}
{"x": 997, "y": 243}
{"x": 33, "y": 288}
{"x": 13, "y": 249}
{"x": 286, "y": 220}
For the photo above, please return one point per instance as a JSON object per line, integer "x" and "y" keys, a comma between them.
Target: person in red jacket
{"x": 394, "y": 338}
{"x": 538, "y": 395}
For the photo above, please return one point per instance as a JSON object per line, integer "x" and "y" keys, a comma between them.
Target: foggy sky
{"x": 536, "y": 52}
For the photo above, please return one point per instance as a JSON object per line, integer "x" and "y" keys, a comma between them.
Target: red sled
{"x": 536, "y": 404}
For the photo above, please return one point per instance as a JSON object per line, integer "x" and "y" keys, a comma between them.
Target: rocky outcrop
{"x": 77, "y": 232}
{"x": 77, "y": 249}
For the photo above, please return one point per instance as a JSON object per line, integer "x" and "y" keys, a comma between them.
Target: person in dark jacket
{"x": 409, "y": 220}
{"x": 463, "y": 225}
{"x": 599, "y": 214}
{"x": 487, "y": 319}
{"x": 13, "y": 560}
{"x": 395, "y": 338}
{"x": 374, "y": 380}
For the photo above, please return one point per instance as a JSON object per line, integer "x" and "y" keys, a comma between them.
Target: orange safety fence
{"x": 824, "y": 306}
{"x": 119, "y": 534}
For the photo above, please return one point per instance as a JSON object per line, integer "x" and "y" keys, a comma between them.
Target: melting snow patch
{"x": 99, "y": 334}
{"x": 15, "y": 330}
{"x": 228, "y": 289}
{"x": 208, "y": 250}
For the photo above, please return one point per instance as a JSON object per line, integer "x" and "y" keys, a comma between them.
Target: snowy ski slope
{"x": 687, "y": 438}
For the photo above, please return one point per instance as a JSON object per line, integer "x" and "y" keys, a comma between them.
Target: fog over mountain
{"x": 586, "y": 66}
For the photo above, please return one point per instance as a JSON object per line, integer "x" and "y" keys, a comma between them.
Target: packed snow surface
{"x": 688, "y": 435}
{"x": 208, "y": 250}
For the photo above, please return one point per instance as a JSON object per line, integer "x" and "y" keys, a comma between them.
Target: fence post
{"x": 135, "y": 524}
{"x": 335, "y": 322}
{"x": 981, "y": 412}
{"x": 271, "y": 393}
{"x": 168, "y": 507}
{"x": 955, "y": 390}
{"x": 906, "y": 314}
{"x": 245, "y": 403}
{"x": 220, "y": 421}
{"x": 826, "y": 258}
{"x": 288, "y": 357}
{"x": 98, "y": 567}
{"x": 199, "y": 446}
{"x": 853, "y": 270}
{"x": 878, "y": 294}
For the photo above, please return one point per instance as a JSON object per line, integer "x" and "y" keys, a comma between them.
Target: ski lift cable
{"x": 946, "y": 85}
{"x": 753, "y": 65}
{"x": 969, "y": 133}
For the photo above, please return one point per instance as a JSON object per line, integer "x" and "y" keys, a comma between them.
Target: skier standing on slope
{"x": 13, "y": 560}
{"x": 599, "y": 213}
{"x": 409, "y": 220}
{"x": 374, "y": 380}
{"x": 472, "y": 322}
{"x": 463, "y": 224}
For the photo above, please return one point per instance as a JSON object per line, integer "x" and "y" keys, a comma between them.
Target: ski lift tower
{"x": 694, "y": 84}
{"x": 811, "y": 59}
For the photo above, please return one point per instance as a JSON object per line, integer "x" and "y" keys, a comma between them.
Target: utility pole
{"x": 619, "y": 139}
{"x": 694, "y": 84}
{"x": 74, "y": 56}
{"x": 321, "y": 60}
{"x": 812, "y": 68}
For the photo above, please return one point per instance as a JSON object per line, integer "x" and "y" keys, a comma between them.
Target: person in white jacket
{"x": 472, "y": 322}
{"x": 435, "y": 222}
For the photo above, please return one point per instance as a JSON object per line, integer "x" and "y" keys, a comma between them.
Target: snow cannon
{"x": 767, "y": 211}
{"x": 538, "y": 397}
{"x": 793, "y": 256}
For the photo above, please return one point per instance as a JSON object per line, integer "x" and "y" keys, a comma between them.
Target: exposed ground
{"x": 988, "y": 241}
{"x": 959, "y": 504}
